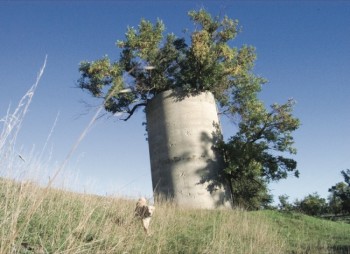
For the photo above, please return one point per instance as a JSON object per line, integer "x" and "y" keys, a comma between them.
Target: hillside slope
{"x": 38, "y": 220}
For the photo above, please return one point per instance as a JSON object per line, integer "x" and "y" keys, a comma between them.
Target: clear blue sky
{"x": 303, "y": 49}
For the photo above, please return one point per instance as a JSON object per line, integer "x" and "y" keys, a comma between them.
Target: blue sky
{"x": 303, "y": 49}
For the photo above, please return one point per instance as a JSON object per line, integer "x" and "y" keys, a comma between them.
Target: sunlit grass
{"x": 67, "y": 222}
{"x": 306, "y": 234}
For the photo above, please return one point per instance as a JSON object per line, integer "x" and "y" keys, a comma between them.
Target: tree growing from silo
{"x": 152, "y": 62}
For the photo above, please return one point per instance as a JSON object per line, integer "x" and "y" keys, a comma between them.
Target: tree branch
{"x": 132, "y": 111}
{"x": 259, "y": 134}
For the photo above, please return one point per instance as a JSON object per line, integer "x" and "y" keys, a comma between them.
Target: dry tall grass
{"x": 67, "y": 222}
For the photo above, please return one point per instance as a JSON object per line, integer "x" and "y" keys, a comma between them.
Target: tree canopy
{"x": 340, "y": 194}
{"x": 151, "y": 62}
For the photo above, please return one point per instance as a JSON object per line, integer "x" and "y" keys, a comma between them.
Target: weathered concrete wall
{"x": 181, "y": 135}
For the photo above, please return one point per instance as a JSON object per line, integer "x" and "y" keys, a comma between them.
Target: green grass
{"x": 38, "y": 220}
{"x": 305, "y": 234}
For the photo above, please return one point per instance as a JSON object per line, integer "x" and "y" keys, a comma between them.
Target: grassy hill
{"x": 46, "y": 220}
{"x": 39, "y": 220}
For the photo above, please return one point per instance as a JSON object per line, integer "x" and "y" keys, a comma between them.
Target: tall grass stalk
{"x": 11, "y": 125}
{"x": 12, "y": 122}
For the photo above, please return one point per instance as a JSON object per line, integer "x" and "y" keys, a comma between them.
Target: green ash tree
{"x": 151, "y": 62}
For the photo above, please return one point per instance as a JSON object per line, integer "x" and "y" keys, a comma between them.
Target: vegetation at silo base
{"x": 46, "y": 220}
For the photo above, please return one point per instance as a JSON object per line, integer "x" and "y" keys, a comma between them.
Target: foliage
{"x": 340, "y": 194}
{"x": 312, "y": 204}
{"x": 253, "y": 154}
{"x": 151, "y": 63}
{"x": 337, "y": 208}
{"x": 284, "y": 204}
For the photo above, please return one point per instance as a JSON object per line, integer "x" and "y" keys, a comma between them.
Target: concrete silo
{"x": 181, "y": 135}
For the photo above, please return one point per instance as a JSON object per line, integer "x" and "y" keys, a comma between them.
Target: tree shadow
{"x": 179, "y": 94}
{"x": 185, "y": 165}
{"x": 213, "y": 174}
{"x": 340, "y": 249}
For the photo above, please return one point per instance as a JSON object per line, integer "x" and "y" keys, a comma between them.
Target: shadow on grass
{"x": 340, "y": 249}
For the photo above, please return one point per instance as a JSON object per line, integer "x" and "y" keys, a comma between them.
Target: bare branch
{"x": 132, "y": 111}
